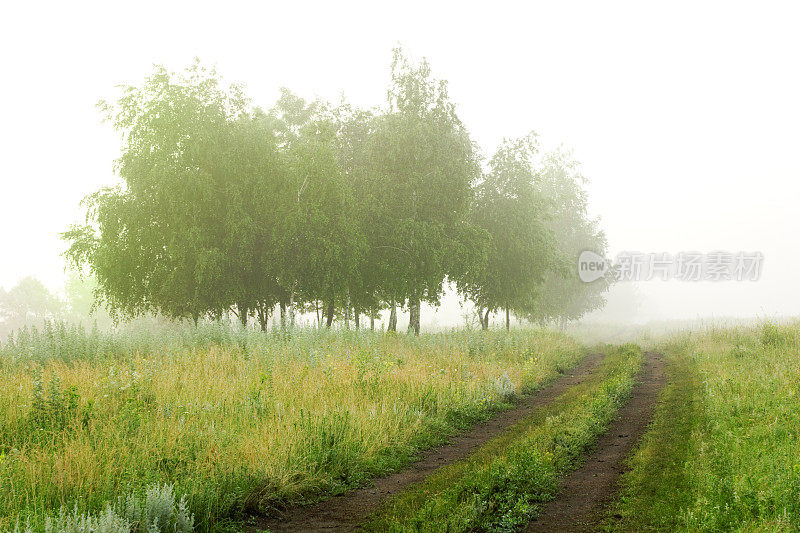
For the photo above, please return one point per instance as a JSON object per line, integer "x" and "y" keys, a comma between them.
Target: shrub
{"x": 154, "y": 512}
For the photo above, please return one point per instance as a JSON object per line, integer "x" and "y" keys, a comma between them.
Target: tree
{"x": 323, "y": 233}
{"x": 521, "y": 249}
{"x": 226, "y": 208}
{"x": 423, "y": 166}
{"x": 80, "y": 301}
{"x": 354, "y": 130}
{"x": 177, "y": 236}
{"x": 254, "y": 217}
{"x": 27, "y": 303}
{"x": 563, "y": 296}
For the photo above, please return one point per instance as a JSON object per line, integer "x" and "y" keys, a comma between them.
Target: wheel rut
{"x": 347, "y": 511}
{"x": 585, "y": 494}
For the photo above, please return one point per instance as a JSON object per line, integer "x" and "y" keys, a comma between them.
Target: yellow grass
{"x": 245, "y": 429}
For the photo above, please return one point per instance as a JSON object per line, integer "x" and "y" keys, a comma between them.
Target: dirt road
{"x": 345, "y": 512}
{"x": 585, "y": 493}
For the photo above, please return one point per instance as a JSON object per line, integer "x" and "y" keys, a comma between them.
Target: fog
{"x": 684, "y": 116}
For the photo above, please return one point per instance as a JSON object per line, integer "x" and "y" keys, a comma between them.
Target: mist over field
{"x": 409, "y": 267}
{"x": 683, "y": 117}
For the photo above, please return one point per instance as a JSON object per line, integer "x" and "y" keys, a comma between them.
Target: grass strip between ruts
{"x": 503, "y": 484}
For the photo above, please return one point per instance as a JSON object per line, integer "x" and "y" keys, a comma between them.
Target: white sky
{"x": 686, "y": 116}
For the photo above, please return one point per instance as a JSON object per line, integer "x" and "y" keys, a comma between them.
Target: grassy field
{"x": 724, "y": 450}
{"x": 501, "y": 487}
{"x": 195, "y": 428}
{"x": 120, "y": 431}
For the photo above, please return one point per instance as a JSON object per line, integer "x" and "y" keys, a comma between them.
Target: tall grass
{"x": 67, "y": 342}
{"x": 724, "y": 451}
{"x": 242, "y": 422}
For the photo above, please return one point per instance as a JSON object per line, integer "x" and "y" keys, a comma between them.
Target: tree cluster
{"x": 343, "y": 212}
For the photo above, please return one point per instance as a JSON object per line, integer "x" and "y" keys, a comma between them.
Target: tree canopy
{"x": 226, "y": 208}
{"x": 513, "y": 212}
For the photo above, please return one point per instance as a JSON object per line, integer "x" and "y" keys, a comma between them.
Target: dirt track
{"x": 345, "y": 512}
{"x": 585, "y": 493}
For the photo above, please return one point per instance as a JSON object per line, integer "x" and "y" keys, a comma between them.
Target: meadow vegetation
{"x": 235, "y": 422}
{"x": 723, "y": 451}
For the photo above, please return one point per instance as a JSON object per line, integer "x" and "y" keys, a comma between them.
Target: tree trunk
{"x": 413, "y": 323}
{"x": 291, "y": 310}
{"x": 319, "y": 322}
{"x": 508, "y": 320}
{"x": 242, "y": 314}
{"x": 486, "y": 320}
{"x": 329, "y": 318}
{"x": 263, "y": 316}
{"x": 357, "y": 317}
{"x": 392, "y": 326}
{"x": 283, "y": 314}
{"x": 372, "y": 319}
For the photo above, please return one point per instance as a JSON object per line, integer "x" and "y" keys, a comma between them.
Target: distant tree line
{"x": 329, "y": 209}
{"x": 29, "y": 304}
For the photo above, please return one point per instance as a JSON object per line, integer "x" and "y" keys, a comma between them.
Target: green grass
{"x": 241, "y": 423}
{"x": 502, "y": 485}
{"x": 723, "y": 453}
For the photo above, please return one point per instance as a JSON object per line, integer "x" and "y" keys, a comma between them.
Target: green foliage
{"x": 70, "y": 343}
{"x": 776, "y": 336}
{"x": 521, "y": 250}
{"x": 177, "y": 237}
{"x": 52, "y": 412}
{"x": 224, "y": 207}
{"x": 563, "y": 296}
{"x": 423, "y": 165}
{"x": 27, "y": 304}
